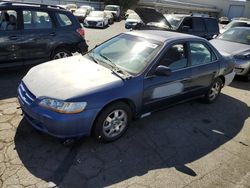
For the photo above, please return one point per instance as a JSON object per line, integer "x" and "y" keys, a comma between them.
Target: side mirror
{"x": 162, "y": 70}
{"x": 185, "y": 28}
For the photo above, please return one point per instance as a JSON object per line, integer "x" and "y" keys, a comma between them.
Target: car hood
{"x": 69, "y": 78}
{"x": 150, "y": 15}
{"x": 89, "y": 18}
{"x": 232, "y": 48}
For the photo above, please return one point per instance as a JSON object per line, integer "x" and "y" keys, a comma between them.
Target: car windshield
{"x": 174, "y": 20}
{"x": 238, "y": 35}
{"x": 111, "y": 8}
{"x": 126, "y": 52}
{"x": 96, "y": 14}
{"x": 81, "y": 11}
{"x": 134, "y": 16}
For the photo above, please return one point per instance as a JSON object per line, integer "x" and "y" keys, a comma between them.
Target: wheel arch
{"x": 126, "y": 101}
{"x": 223, "y": 79}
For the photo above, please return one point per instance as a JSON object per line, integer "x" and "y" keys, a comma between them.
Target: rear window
{"x": 212, "y": 25}
{"x": 198, "y": 24}
{"x": 63, "y": 20}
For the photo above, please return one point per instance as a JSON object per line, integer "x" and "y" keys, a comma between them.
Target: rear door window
{"x": 63, "y": 20}
{"x": 8, "y": 20}
{"x": 198, "y": 25}
{"x": 36, "y": 20}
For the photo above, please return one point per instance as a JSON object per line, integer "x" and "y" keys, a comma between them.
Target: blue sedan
{"x": 127, "y": 77}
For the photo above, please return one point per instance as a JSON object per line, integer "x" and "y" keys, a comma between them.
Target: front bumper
{"x": 242, "y": 67}
{"x": 53, "y": 123}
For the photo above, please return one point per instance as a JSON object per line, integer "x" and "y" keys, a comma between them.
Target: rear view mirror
{"x": 163, "y": 71}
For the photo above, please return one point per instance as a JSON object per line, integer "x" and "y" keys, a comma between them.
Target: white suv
{"x": 115, "y": 10}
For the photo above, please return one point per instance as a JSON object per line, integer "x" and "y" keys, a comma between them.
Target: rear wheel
{"x": 214, "y": 91}
{"x": 60, "y": 53}
{"x": 112, "y": 123}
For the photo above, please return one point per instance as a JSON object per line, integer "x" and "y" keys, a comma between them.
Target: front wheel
{"x": 214, "y": 91}
{"x": 112, "y": 123}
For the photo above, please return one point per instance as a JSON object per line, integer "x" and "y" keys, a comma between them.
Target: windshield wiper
{"x": 92, "y": 57}
{"x": 115, "y": 68}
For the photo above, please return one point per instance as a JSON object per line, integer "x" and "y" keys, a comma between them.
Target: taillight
{"x": 81, "y": 32}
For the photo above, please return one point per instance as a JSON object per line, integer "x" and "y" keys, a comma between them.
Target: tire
{"x": 214, "y": 91}
{"x": 247, "y": 77}
{"x": 112, "y": 122}
{"x": 60, "y": 53}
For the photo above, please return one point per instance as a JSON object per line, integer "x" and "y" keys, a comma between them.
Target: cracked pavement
{"x": 188, "y": 145}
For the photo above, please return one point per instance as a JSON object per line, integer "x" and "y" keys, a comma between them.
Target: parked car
{"x": 206, "y": 27}
{"x": 115, "y": 9}
{"x": 126, "y": 77}
{"x": 128, "y": 12}
{"x": 81, "y": 14}
{"x": 110, "y": 17}
{"x": 34, "y": 34}
{"x": 132, "y": 21}
{"x": 236, "y": 41}
{"x": 89, "y": 8}
{"x": 235, "y": 23}
{"x": 96, "y": 19}
{"x": 224, "y": 20}
{"x": 71, "y": 7}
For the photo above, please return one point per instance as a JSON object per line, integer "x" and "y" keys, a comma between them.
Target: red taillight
{"x": 81, "y": 31}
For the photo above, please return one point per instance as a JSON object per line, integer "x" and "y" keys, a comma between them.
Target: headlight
{"x": 63, "y": 107}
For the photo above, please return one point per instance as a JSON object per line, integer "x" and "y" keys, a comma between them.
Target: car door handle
{"x": 13, "y": 37}
{"x": 52, "y": 34}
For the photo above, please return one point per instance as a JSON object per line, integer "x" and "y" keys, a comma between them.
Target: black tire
{"x": 214, "y": 91}
{"x": 60, "y": 52}
{"x": 247, "y": 77}
{"x": 102, "y": 121}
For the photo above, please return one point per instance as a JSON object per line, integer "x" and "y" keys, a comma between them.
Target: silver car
{"x": 236, "y": 41}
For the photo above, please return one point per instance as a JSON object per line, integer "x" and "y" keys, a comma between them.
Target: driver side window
{"x": 176, "y": 57}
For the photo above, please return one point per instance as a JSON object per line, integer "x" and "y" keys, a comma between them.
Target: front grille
{"x": 25, "y": 95}
{"x": 92, "y": 23}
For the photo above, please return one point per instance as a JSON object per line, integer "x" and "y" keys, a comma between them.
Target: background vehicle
{"x": 110, "y": 17}
{"x": 115, "y": 9}
{"x": 128, "y": 12}
{"x": 33, "y": 33}
{"x": 132, "y": 21}
{"x": 96, "y": 19}
{"x": 81, "y": 14}
{"x": 128, "y": 76}
{"x": 235, "y": 23}
{"x": 236, "y": 41}
{"x": 89, "y": 8}
{"x": 224, "y": 20}
{"x": 71, "y": 7}
{"x": 205, "y": 27}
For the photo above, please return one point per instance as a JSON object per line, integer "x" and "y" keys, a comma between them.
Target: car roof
{"x": 162, "y": 36}
{"x": 31, "y": 6}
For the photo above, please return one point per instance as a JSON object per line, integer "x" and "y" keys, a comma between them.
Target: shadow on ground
{"x": 9, "y": 81}
{"x": 170, "y": 138}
